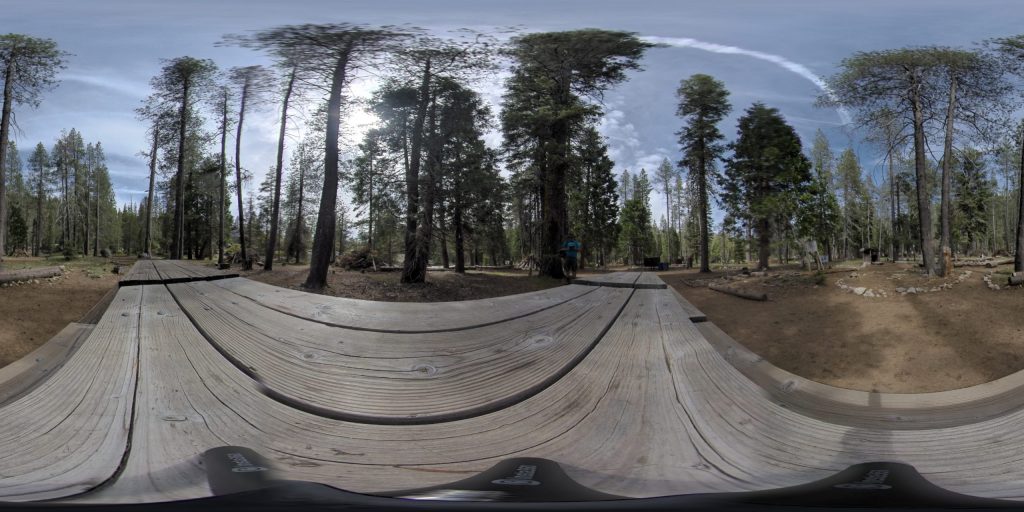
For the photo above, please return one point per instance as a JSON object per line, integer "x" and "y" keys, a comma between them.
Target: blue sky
{"x": 117, "y": 46}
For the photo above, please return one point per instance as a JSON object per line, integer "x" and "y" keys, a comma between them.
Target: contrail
{"x": 800, "y": 69}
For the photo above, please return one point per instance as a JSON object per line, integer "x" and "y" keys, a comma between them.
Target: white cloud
{"x": 799, "y": 69}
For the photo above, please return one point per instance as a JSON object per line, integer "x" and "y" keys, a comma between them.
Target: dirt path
{"x": 30, "y": 314}
{"x": 909, "y": 343}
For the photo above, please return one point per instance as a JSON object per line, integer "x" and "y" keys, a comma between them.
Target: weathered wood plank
{"x": 649, "y": 280}
{"x": 615, "y": 279}
{"x": 678, "y": 416}
{"x": 620, "y": 396}
{"x": 145, "y": 272}
{"x": 21, "y": 376}
{"x": 399, "y": 377}
{"x": 142, "y": 272}
{"x": 408, "y": 317}
{"x": 69, "y": 434}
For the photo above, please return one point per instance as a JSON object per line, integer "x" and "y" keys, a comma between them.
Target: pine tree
{"x": 767, "y": 173}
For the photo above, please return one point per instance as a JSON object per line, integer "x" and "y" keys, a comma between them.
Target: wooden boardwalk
{"x": 619, "y": 384}
{"x": 170, "y": 271}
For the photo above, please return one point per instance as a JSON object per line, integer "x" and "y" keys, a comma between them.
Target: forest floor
{"x": 884, "y": 328}
{"x": 385, "y": 286}
{"x": 31, "y": 313}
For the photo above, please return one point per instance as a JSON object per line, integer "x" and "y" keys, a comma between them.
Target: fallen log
{"x": 743, "y": 294}
{"x": 11, "y": 276}
{"x": 981, "y": 263}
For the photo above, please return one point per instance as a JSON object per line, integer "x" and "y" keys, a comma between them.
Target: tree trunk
{"x": 764, "y": 243}
{"x": 5, "y": 126}
{"x": 424, "y": 236}
{"x": 1018, "y": 259}
{"x": 924, "y": 201}
{"x": 299, "y": 216}
{"x": 702, "y": 205}
{"x": 96, "y": 237}
{"x": 147, "y": 244}
{"x": 238, "y": 170}
{"x": 222, "y": 182}
{"x": 323, "y": 237}
{"x": 179, "y": 178}
{"x": 412, "y": 272}
{"x": 275, "y": 215}
{"x": 460, "y": 246}
{"x": 946, "y": 241}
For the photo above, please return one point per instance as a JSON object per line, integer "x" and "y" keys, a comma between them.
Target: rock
{"x": 869, "y": 293}
{"x": 911, "y": 290}
{"x": 859, "y": 290}
{"x": 901, "y": 290}
{"x": 935, "y": 289}
{"x": 35, "y": 281}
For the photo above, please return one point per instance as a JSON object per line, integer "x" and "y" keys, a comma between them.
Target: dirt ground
{"x": 440, "y": 286}
{"x": 30, "y": 314}
{"x": 962, "y": 335}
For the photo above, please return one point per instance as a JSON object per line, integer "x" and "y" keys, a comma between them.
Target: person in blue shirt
{"x": 570, "y": 252}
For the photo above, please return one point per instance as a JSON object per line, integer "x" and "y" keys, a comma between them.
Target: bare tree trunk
{"x": 702, "y": 204}
{"x": 323, "y": 238}
{"x": 96, "y": 238}
{"x": 5, "y": 126}
{"x": 924, "y": 200}
{"x": 460, "y": 247}
{"x": 179, "y": 179}
{"x": 275, "y": 215}
{"x": 299, "y": 217}
{"x": 147, "y": 245}
{"x": 1018, "y": 259}
{"x": 424, "y": 236}
{"x": 946, "y": 264}
{"x": 222, "y": 182}
{"x": 764, "y": 243}
{"x": 238, "y": 170}
{"x": 412, "y": 272}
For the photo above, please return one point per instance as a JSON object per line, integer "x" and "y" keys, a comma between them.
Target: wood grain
{"x": 615, "y": 279}
{"x": 69, "y": 433}
{"x": 26, "y": 373}
{"x": 399, "y": 377}
{"x": 407, "y": 317}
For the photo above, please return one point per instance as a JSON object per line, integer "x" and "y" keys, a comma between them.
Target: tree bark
{"x": 222, "y": 182}
{"x": 924, "y": 200}
{"x": 299, "y": 217}
{"x": 238, "y": 170}
{"x": 179, "y": 178}
{"x": 323, "y": 237}
{"x": 460, "y": 246}
{"x": 764, "y": 243}
{"x": 275, "y": 214}
{"x": 1018, "y": 259}
{"x": 412, "y": 272}
{"x": 5, "y": 125}
{"x": 702, "y": 205}
{"x": 744, "y": 294}
{"x": 947, "y": 158}
{"x": 424, "y": 236}
{"x": 147, "y": 242}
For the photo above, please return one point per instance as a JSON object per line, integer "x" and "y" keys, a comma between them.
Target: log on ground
{"x": 743, "y": 294}
{"x": 11, "y": 276}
